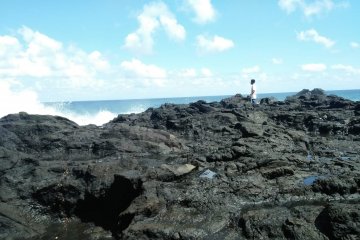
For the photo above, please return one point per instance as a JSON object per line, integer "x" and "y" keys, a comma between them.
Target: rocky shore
{"x": 222, "y": 170}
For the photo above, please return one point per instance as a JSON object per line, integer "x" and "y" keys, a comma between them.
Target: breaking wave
{"x": 27, "y": 101}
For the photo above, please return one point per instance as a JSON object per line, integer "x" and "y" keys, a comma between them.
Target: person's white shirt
{"x": 253, "y": 89}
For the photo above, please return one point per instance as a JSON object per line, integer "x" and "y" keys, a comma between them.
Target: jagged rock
{"x": 339, "y": 221}
{"x": 268, "y": 100}
{"x": 284, "y": 170}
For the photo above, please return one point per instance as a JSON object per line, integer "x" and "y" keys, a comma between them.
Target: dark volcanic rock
{"x": 282, "y": 170}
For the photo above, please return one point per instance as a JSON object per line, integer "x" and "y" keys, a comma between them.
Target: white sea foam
{"x": 27, "y": 101}
{"x": 99, "y": 118}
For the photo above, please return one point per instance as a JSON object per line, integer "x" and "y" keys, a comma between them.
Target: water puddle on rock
{"x": 310, "y": 180}
{"x": 309, "y": 157}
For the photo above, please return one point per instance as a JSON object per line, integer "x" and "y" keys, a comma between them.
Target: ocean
{"x": 101, "y": 112}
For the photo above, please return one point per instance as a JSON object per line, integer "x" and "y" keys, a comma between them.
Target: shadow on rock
{"x": 104, "y": 210}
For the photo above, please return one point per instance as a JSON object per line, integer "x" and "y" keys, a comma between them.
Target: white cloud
{"x": 172, "y": 28}
{"x": 98, "y": 61}
{"x": 314, "y": 67}
{"x": 354, "y": 45}
{"x": 153, "y": 16}
{"x": 206, "y": 72}
{"x": 215, "y": 44}
{"x": 277, "y": 61}
{"x": 33, "y": 58}
{"x": 203, "y": 9}
{"x": 188, "y": 73}
{"x": 70, "y": 73}
{"x": 9, "y": 46}
{"x": 193, "y": 73}
{"x": 140, "y": 69}
{"x": 318, "y": 7}
{"x": 149, "y": 74}
{"x": 38, "y": 42}
{"x": 315, "y": 7}
{"x": 251, "y": 70}
{"x": 37, "y": 57}
{"x": 314, "y": 36}
{"x": 346, "y": 68}
{"x": 289, "y": 5}
{"x": 56, "y": 72}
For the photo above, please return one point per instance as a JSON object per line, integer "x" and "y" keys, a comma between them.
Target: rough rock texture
{"x": 284, "y": 170}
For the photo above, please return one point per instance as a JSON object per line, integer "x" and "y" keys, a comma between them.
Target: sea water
{"x": 101, "y": 112}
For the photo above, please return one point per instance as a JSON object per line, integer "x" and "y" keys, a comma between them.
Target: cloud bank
{"x": 311, "y": 8}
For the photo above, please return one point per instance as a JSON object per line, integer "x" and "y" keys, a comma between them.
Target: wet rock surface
{"x": 280, "y": 170}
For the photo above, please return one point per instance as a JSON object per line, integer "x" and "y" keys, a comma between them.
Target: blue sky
{"x": 120, "y": 49}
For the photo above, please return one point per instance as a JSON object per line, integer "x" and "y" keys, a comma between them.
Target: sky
{"x": 125, "y": 49}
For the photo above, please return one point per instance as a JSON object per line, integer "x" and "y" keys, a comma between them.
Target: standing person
{"x": 253, "y": 92}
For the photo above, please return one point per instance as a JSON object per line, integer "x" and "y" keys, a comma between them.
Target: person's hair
{"x": 252, "y": 81}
